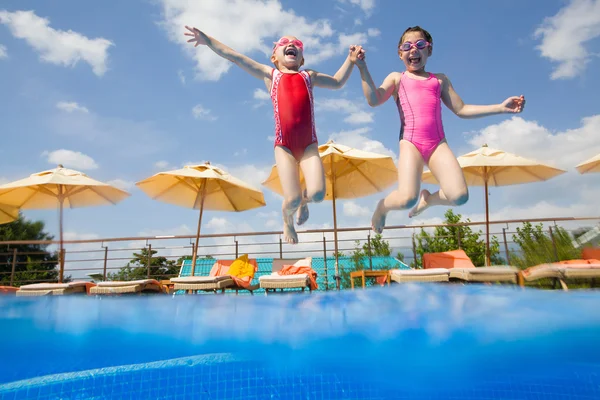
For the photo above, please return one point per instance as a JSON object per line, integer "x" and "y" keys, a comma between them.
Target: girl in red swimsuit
{"x": 296, "y": 143}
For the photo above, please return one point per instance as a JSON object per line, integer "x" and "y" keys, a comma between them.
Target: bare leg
{"x": 287, "y": 168}
{"x": 453, "y": 187}
{"x": 410, "y": 168}
{"x": 314, "y": 176}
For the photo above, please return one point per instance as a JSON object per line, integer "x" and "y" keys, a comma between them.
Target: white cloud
{"x": 54, "y": 46}
{"x": 347, "y": 40}
{"x": 373, "y": 32}
{"x": 260, "y": 94}
{"x": 254, "y": 175}
{"x": 564, "y": 35}
{"x": 164, "y": 165}
{"x": 247, "y": 26}
{"x": 71, "y": 107}
{"x": 181, "y": 76}
{"x": 365, "y": 5}
{"x": 117, "y": 134}
{"x": 529, "y": 139}
{"x": 122, "y": 184}
{"x": 358, "y": 139}
{"x": 70, "y": 159}
{"x": 355, "y": 113}
{"x": 3, "y": 52}
{"x": 199, "y": 112}
{"x": 353, "y": 209}
{"x": 176, "y": 231}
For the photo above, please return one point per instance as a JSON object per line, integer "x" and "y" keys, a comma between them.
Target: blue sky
{"x": 112, "y": 89}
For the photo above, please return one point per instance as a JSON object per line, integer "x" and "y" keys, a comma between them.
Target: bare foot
{"x": 289, "y": 232}
{"x": 302, "y": 213}
{"x": 378, "y": 219}
{"x": 421, "y": 205}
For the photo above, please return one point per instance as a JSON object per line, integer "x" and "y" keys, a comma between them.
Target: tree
{"x": 446, "y": 238}
{"x": 537, "y": 247}
{"x": 34, "y": 263}
{"x": 137, "y": 268}
{"x": 360, "y": 257}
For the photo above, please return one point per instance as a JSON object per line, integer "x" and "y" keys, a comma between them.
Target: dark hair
{"x": 416, "y": 29}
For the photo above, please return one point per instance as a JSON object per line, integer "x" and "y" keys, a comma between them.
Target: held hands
{"x": 199, "y": 37}
{"x": 356, "y": 54}
{"x": 514, "y": 104}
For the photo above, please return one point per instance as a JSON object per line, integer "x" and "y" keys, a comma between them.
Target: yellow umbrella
{"x": 202, "y": 187}
{"x": 589, "y": 166}
{"x": 59, "y": 187}
{"x": 8, "y": 214}
{"x": 487, "y": 166}
{"x": 350, "y": 173}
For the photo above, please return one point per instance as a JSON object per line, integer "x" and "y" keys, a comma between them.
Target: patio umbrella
{"x": 487, "y": 166}
{"x": 349, "y": 173}
{"x": 590, "y": 166}
{"x": 201, "y": 187}
{"x": 8, "y": 214}
{"x": 60, "y": 187}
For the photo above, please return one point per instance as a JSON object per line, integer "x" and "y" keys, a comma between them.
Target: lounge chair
{"x": 563, "y": 271}
{"x": 55, "y": 289}
{"x": 128, "y": 287}
{"x": 218, "y": 279}
{"x": 461, "y": 268}
{"x": 420, "y": 275}
{"x": 8, "y": 290}
{"x": 290, "y": 274}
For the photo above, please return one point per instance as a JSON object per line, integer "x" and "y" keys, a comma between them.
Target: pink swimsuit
{"x": 294, "y": 111}
{"x": 419, "y": 105}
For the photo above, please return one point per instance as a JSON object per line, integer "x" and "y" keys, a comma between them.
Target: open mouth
{"x": 414, "y": 60}
{"x": 291, "y": 51}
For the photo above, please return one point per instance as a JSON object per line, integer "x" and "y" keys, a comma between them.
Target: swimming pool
{"x": 411, "y": 341}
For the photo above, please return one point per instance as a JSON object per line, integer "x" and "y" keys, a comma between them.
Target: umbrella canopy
{"x": 8, "y": 214}
{"x": 589, "y": 166}
{"x": 350, "y": 173}
{"x": 201, "y": 187}
{"x": 59, "y": 187}
{"x": 487, "y": 166}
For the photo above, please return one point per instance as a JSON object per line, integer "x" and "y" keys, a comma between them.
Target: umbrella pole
{"x": 487, "y": 219}
{"x": 335, "y": 238}
{"x": 61, "y": 253}
{"x": 195, "y": 252}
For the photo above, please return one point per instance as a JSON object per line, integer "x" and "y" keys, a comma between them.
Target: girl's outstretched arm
{"x": 452, "y": 100}
{"x": 338, "y": 80}
{"x": 258, "y": 70}
{"x": 376, "y": 96}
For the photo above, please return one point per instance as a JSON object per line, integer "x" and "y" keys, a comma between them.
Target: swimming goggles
{"x": 420, "y": 44}
{"x": 284, "y": 41}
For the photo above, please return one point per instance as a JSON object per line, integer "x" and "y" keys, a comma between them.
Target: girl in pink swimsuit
{"x": 418, "y": 95}
{"x": 296, "y": 145}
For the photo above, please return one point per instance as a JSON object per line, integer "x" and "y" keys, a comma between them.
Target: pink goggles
{"x": 285, "y": 41}
{"x": 420, "y": 44}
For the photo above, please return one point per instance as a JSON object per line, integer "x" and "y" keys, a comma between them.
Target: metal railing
{"x": 101, "y": 257}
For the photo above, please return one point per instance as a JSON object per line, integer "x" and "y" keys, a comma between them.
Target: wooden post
{"x": 325, "y": 262}
{"x": 553, "y": 244}
{"x": 14, "y": 267}
{"x": 149, "y": 258}
{"x": 414, "y": 248}
{"x": 370, "y": 251}
{"x": 105, "y": 261}
{"x": 506, "y": 246}
{"x": 280, "y": 248}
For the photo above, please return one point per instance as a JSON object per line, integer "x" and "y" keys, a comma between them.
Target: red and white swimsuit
{"x": 292, "y": 98}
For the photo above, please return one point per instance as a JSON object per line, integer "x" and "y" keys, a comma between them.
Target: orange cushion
{"x": 447, "y": 259}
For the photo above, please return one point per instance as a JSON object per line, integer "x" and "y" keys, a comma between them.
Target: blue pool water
{"x": 401, "y": 342}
